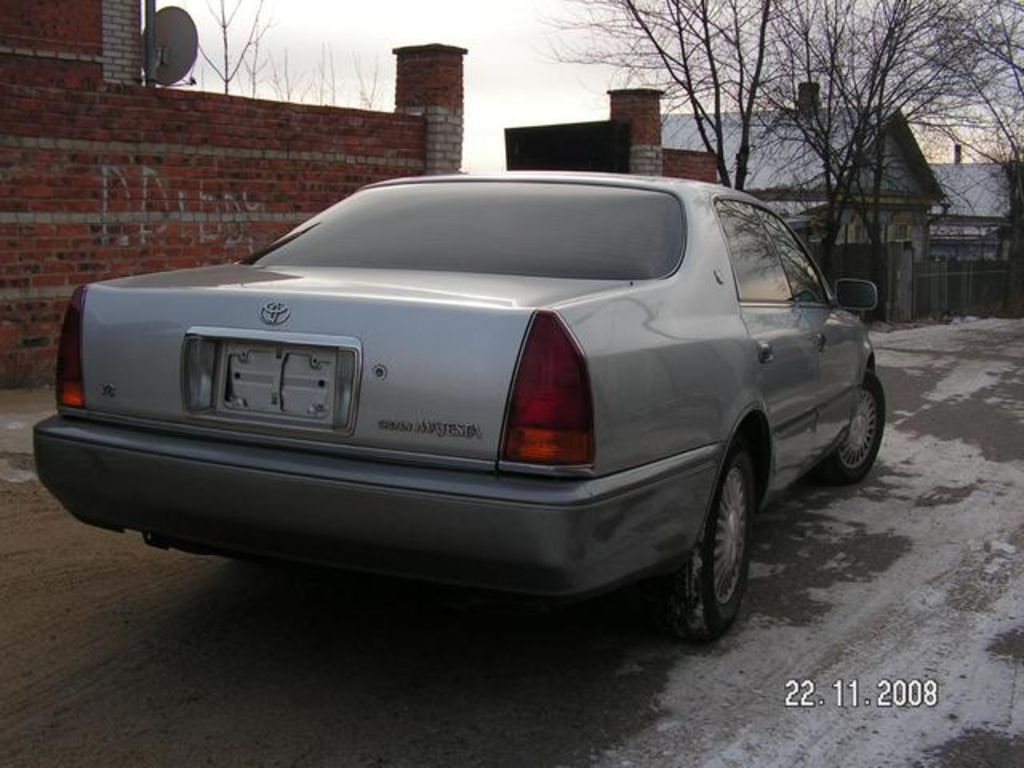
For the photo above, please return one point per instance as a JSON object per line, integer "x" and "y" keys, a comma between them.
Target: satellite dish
{"x": 177, "y": 43}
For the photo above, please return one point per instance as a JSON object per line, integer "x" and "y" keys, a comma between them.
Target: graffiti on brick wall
{"x": 138, "y": 203}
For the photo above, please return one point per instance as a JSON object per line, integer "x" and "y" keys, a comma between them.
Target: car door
{"x": 833, "y": 332}
{"x": 780, "y": 336}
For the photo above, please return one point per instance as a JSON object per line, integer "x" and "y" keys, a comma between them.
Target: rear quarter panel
{"x": 671, "y": 365}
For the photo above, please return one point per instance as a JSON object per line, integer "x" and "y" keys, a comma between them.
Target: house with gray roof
{"x": 969, "y": 223}
{"x": 927, "y": 212}
{"x": 785, "y": 172}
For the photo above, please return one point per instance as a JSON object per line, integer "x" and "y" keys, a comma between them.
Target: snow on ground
{"x": 967, "y": 378}
{"x": 915, "y": 575}
{"x": 12, "y": 474}
{"x": 920, "y": 350}
{"x": 951, "y": 338}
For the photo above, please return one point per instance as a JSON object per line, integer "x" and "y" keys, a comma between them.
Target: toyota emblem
{"x": 275, "y": 313}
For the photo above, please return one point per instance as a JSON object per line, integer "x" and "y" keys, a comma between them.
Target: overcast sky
{"x": 511, "y": 75}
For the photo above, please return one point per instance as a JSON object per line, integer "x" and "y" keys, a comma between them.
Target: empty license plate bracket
{"x": 302, "y": 380}
{"x": 276, "y": 380}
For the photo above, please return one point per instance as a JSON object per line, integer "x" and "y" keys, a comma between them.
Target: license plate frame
{"x": 298, "y": 381}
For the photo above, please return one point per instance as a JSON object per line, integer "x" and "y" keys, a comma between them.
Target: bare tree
{"x": 869, "y": 69}
{"x": 255, "y": 66}
{"x": 369, "y": 84}
{"x": 243, "y": 51}
{"x": 230, "y": 63}
{"x": 286, "y": 85}
{"x": 993, "y": 124}
{"x": 708, "y": 55}
{"x": 325, "y": 78}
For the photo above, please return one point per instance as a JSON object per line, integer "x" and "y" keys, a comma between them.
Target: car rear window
{"x": 515, "y": 228}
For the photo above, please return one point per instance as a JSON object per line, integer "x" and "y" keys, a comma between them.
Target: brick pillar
{"x": 429, "y": 83}
{"x": 122, "y": 41}
{"x": 641, "y": 109}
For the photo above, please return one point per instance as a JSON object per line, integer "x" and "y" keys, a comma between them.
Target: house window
{"x": 856, "y": 232}
{"x": 900, "y": 229}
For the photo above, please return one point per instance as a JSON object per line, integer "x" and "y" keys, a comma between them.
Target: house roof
{"x": 782, "y": 162}
{"x": 778, "y": 161}
{"x": 974, "y": 189}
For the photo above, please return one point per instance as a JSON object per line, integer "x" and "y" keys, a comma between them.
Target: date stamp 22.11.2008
{"x": 898, "y": 693}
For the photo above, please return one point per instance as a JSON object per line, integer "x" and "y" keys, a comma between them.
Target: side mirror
{"x": 857, "y": 295}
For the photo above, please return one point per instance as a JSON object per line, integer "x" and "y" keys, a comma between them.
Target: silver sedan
{"x": 550, "y": 384}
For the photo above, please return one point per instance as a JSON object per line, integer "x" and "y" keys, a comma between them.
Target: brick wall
{"x": 689, "y": 164}
{"x": 95, "y": 185}
{"x": 640, "y": 108}
{"x": 66, "y": 26}
{"x": 100, "y": 180}
{"x": 59, "y": 42}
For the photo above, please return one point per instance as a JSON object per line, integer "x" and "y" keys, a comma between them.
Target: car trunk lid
{"x": 377, "y": 359}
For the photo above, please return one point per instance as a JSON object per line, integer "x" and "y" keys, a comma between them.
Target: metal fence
{"x": 957, "y": 287}
{"x": 919, "y": 290}
{"x": 895, "y": 284}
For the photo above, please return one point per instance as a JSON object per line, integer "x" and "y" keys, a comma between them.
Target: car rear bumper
{"x": 532, "y": 535}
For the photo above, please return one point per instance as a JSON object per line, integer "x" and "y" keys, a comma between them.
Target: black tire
{"x": 853, "y": 458}
{"x": 693, "y": 603}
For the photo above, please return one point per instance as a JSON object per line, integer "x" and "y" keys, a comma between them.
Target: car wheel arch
{"x": 686, "y": 602}
{"x": 752, "y": 429}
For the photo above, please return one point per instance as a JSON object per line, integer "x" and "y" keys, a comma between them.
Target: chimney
{"x": 958, "y": 154}
{"x": 808, "y": 99}
{"x": 640, "y": 108}
{"x": 428, "y": 83}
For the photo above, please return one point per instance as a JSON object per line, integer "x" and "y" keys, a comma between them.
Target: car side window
{"x": 759, "y": 273}
{"x": 803, "y": 279}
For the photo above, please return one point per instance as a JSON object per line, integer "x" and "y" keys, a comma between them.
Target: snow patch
{"x": 9, "y": 474}
{"x": 913, "y": 363}
{"x": 963, "y": 587}
{"x": 629, "y": 667}
{"x": 1007, "y": 404}
{"x": 1001, "y": 546}
{"x": 946, "y": 338}
{"x": 968, "y": 378}
{"x": 764, "y": 570}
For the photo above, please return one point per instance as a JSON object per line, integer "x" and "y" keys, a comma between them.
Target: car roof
{"x": 680, "y": 187}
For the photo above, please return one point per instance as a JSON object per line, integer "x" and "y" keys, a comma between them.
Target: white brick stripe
{"x": 160, "y": 148}
{"x": 645, "y": 160}
{"x": 37, "y": 53}
{"x": 36, "y": 294}
{"x": 151, "y": 217}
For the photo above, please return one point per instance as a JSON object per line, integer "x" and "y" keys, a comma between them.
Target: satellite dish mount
{"x": 171, "y": 44}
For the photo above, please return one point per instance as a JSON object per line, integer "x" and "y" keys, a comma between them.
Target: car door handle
{"x": 765, "y": 353}
{"x": 821, "y": 340}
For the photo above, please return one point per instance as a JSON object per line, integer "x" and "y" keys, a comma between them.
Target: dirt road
{"x": 910, "y": 585}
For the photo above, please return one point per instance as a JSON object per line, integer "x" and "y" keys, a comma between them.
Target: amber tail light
{"x": 551, "y": 416}
{"x": 70, "y": 390}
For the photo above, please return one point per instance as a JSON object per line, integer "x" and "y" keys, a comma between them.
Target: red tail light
{"x": 70, "y": 392}
{"x": 551, "y": 417}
